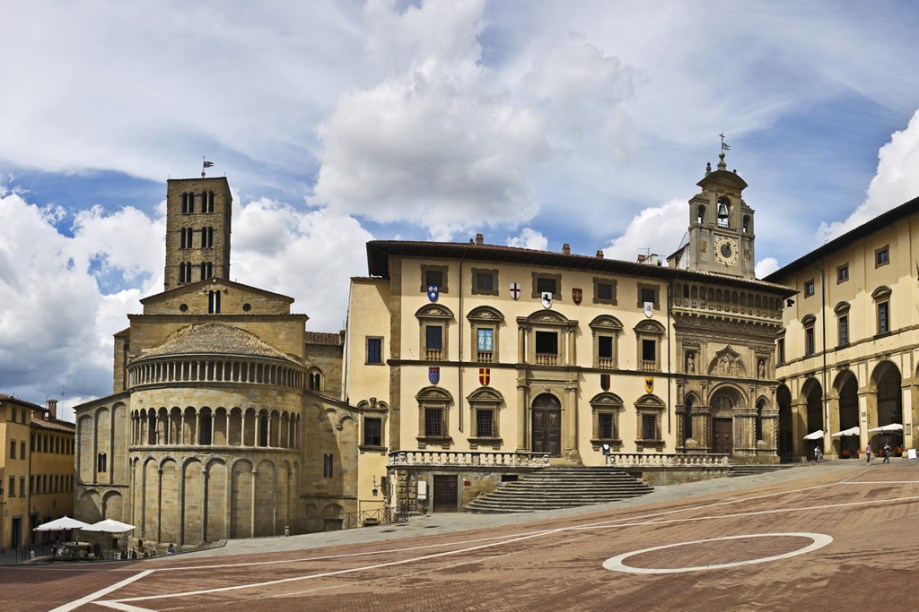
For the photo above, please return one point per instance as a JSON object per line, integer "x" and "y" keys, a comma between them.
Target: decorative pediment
{"x": 547, "y": 317}
{"x": 485, "y": 313}
{"x": 727, "y": 362}
{"x": 485, "y": 395}
{"x": 649, "y": 402}
{"x": 435, "y": 395}
{"x": 434, "y": 311}
{"x": 606, "y": 400}
{"x": 648, "y": 326}
{"x": 606, "y": 322}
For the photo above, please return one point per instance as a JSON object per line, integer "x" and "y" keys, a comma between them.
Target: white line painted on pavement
{"x": 73, "y": 605}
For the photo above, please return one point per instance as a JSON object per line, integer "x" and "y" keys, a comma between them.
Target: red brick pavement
{"x": 557, "y": 563}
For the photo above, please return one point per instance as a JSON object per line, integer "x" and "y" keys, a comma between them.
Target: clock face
{"x": 726, "y": 251}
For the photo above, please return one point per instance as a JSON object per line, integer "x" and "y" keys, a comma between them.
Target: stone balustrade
{"x": 467, "y": 458}
{"x": 624, "y": 460}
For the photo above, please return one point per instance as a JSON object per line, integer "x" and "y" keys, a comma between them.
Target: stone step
{"x": 560, "y": 487}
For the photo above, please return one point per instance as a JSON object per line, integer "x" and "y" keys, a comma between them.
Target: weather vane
{"x": 208, "y": 164}
{"x": 724, "y": 146}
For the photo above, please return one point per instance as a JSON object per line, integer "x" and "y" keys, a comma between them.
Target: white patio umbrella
{"x": 852, "y": 431}
{"x": 814, "y": 435}
{"x": 887, "y": 428}
{"x": 109, "y": 526}
{"x": 62, "y": 524}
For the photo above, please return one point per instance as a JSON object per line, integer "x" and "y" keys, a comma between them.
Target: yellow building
{"x": 847, "y": 358}
{"x": 471, "y": 360}
{"x": 36, "y": 469}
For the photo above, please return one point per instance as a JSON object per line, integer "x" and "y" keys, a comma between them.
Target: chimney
{"x": 600, "y": 253}
{"x": 52, "y": 409}
{"x": 479, "y": 239}
{"x": 566, "y": 249}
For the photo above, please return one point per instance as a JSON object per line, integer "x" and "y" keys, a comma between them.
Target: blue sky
{"x": 534, "y": 123}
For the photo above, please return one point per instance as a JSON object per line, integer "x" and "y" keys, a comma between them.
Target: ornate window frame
{"x": 434, "y": 315}
{"x": 644, "y": 331}
{"x": 484, "y": 317}
{"x": 434, "y": 398}
{"x": 843, "y": 329}
{"x": 606, "y": 403}
{"x": 606, "y": 326}
{"x": 373, "y": 409}
{"x": 649, "y": 406}
{"x": 547, "y": 321}
{"x": 810, "y": 336}
{"x": 485, "y": 399}
{"x": 557, "y": 294}
{"x": 882, "y": 311}
{"x": 641, "y": 288}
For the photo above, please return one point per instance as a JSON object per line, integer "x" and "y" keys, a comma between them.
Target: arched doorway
{"x": 723, "y": 403}
{"x": 786, "y": 423}
{"x": 546, "y": 420}
{"x": 847, "y": 389}
{"x": 889, "y": 406}
{"x": 813, "y": 394}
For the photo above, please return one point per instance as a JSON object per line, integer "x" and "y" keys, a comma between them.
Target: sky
{"x": 535, "y": 123}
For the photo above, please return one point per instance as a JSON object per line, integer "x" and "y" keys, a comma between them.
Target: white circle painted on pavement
{"x": 617, "y": 563}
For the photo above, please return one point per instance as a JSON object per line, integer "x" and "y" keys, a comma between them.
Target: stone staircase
{"x": 560, "y": 487}
{"x": 751, "y": 469}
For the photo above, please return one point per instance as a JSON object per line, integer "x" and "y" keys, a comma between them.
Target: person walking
{"x": 886, "y": 453}
{"x": 868, "y": 453}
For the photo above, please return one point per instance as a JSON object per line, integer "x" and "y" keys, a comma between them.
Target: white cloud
{"x": 896, "y": 181}
{"x": 529, "y": 238}
{"x": 765, "y": 267}
{"x": 659, "y": 230}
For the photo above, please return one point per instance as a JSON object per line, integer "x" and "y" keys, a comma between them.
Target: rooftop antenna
{"x": 205, "y": 164}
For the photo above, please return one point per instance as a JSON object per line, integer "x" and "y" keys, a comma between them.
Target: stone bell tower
{"x": 198, "y": 214}
{"x": 721, "y": 232}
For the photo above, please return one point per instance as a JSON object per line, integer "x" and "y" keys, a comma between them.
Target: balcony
{"x": 484, "y": 356}
{"x": 433, "y": 354}
{"x": 606, "y": 363}
{"x": 546, "y": 359}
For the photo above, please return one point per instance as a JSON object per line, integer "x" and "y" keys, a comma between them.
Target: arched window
{"x": 724, "y": 211}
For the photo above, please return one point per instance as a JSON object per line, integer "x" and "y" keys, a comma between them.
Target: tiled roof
{"x": 55, "y": 425}
{"x": 216, "y": 338}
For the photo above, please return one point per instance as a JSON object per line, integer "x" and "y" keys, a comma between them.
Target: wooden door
{"x": 547, "y": 425}
{"x": 723, "y": 436}
{"x": 446, "y": 494}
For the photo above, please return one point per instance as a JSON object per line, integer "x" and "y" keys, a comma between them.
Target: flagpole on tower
{"x": 205, "y": 164}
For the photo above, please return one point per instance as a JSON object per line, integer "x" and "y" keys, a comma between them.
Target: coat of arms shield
{"x": 576, "y": 296}
{"x": 547, "y": 299}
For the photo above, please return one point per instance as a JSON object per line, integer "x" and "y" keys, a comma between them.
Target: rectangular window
{"x": 373, "y": 432}
{"x": 883, "y": 317}
{"x": 881, "y": 257}
{"x": 648, "y": 354}
{"x": 649, "y": 427}
{"x": 328, "y": 463}
{"x": 546, "y": 284}
{"x": 22, "y": 449}
{"x": 546, "y": 343}
{"x": 842, "y": 273}
{"x": 648, "y": 293}
{"x": 843, "y": 330}
{"x": 605, "y": 348}
{"x": 809, "y": 288}
{"x": 484, "y": 282}
{"x": 433, "y": 422}
{"x": 12, "y": 449}
{"x": 605, "y": 292}
{"x": 605, "y": 426}
{"x": 433, "y": 338}
{"x": 809, "y": 346}
{"x": 434, "y": 275}
{"x": 485, "y": 344}
{"x": 375, "y": 350}
{"x": 485, "y": 423}
{"x": 12, "y": 492}
{"x": 22, "y": 486}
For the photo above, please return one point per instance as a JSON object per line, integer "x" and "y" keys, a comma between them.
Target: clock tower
{"x": 721, "y": 225}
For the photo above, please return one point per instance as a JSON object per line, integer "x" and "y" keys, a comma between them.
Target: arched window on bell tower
{"x": 724, "y": 211}
{"x": 700, "y": 215}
